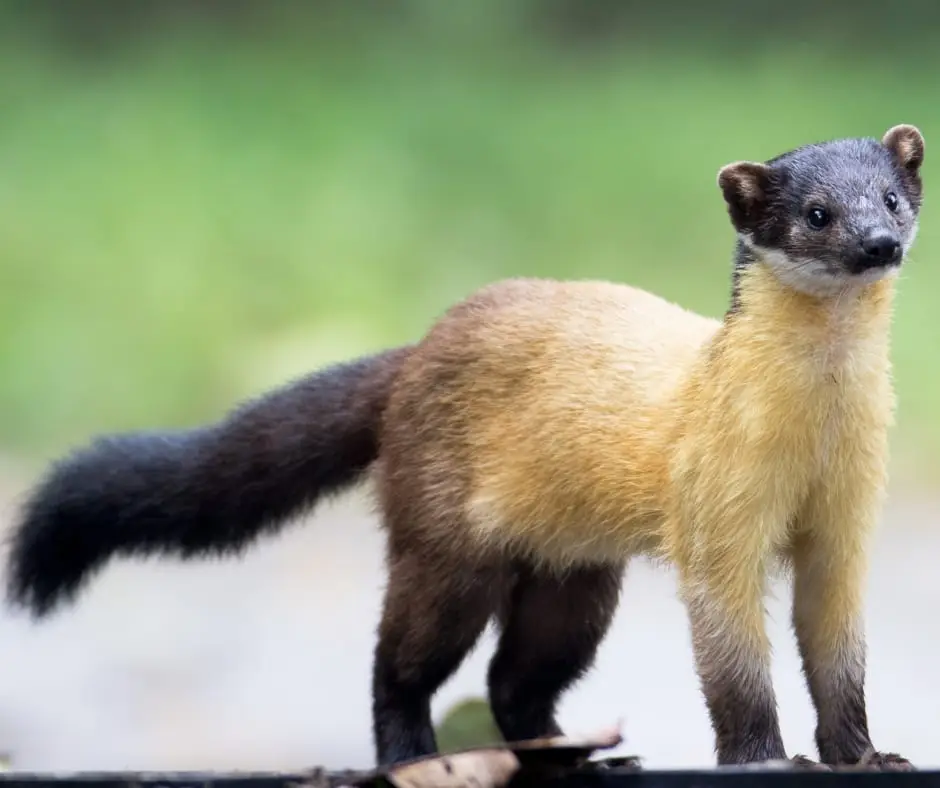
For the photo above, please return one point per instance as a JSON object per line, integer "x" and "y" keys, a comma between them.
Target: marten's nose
{"x": 881, "y": 248}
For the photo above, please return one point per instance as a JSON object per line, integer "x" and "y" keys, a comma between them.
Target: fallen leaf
{"x": 480, "y": 768}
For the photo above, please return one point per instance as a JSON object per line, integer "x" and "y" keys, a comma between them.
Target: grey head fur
{"x": 829, "y": 216}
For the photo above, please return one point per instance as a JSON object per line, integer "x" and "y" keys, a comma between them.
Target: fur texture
{"x": 543, "y": 433}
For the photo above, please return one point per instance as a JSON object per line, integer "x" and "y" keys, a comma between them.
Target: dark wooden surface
{"x": 589, "y": 778}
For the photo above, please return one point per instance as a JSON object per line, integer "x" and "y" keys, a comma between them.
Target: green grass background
{"x": 185, "y": 224}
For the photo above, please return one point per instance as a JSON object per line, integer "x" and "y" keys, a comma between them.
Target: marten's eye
{"x": 891, "y": 200}
{"x": 817, "y": 217}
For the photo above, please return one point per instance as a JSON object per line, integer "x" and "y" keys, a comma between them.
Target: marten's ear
{"x": 907, "y": 144}
{"x": 746, "y": 186}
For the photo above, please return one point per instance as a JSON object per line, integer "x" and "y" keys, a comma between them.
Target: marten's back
{"x": 542, "y": 406}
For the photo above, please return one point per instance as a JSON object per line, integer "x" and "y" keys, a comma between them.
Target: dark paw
{"x": 885, "y": 762}
{"x": 798, "y": 762}
{"x": 802, "y": 762}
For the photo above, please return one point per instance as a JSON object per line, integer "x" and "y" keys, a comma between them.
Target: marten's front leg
{"x": 722, "y": 566}
{"x": 723, "y": 591}
{"x": 829, "y": 574}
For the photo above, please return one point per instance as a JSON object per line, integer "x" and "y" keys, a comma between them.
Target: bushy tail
{"x": 211, "y": 490}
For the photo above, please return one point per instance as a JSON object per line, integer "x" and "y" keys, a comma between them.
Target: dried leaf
{"x": 602, "y": 740}
{"x": 490, "y": 767}
{"x": 480, "y": 768}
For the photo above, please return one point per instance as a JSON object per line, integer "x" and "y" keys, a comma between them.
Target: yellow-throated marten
{"x": 544, "y": 432}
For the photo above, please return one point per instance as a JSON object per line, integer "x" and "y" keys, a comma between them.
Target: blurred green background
{"x": 199, "y": 200}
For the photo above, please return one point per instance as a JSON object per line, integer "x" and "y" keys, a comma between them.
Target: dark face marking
{"x": 832, "y": 213}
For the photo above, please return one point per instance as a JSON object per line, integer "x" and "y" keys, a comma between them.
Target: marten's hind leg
{"x": 551, "y": 629}
{"x": 435, "y": 609}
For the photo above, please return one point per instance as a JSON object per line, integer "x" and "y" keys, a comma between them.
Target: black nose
{"x": 881, "y": 249}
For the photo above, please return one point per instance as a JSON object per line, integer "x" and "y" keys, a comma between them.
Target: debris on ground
{"x": 490, "y": 766}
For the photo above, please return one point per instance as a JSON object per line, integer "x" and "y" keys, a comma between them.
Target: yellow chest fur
{"x": 691, "y": 426}
{"x": 794, "y": 398}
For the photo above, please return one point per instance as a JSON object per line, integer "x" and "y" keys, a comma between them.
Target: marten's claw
{"x": 885, "y": 762}
{"x": 802, "y": 762}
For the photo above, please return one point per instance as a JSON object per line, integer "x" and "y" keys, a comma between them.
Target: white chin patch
{"x": 911, "y": 237}
{"x": 813, "y": 277}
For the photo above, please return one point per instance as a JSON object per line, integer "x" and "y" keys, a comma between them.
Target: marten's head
{"x": 828, "y": 215}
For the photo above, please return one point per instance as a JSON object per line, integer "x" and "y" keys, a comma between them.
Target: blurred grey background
{"x": 199, "y": 200}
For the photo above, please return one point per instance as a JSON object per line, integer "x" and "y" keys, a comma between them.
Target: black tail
{"x": 211, "y": 490}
